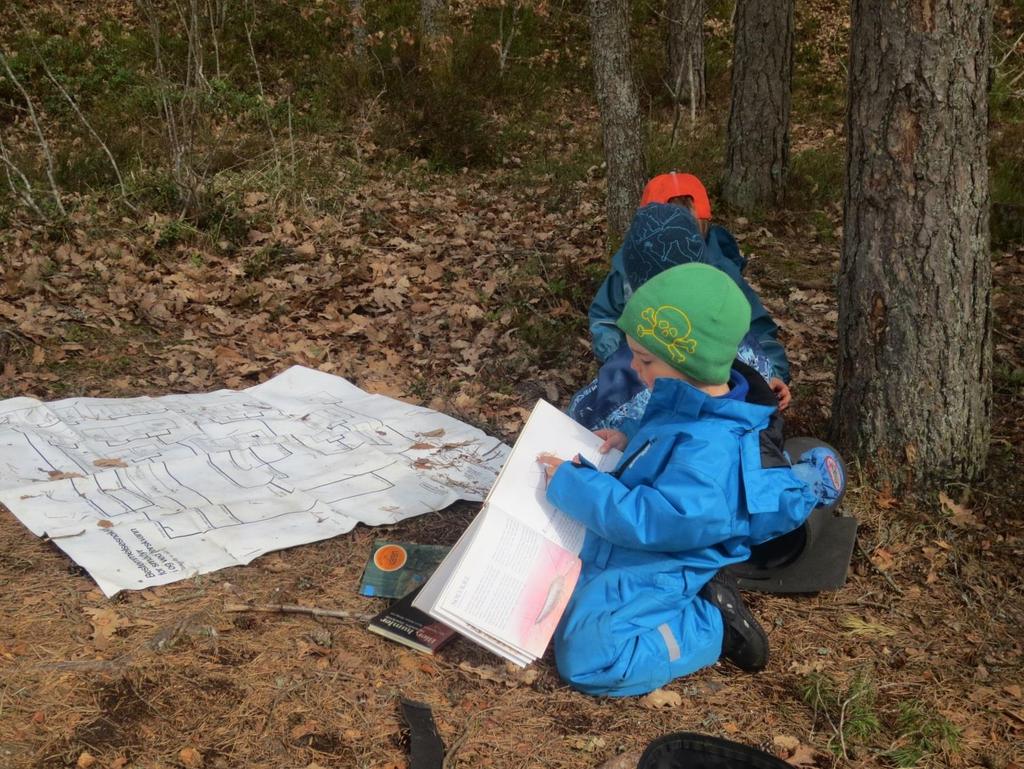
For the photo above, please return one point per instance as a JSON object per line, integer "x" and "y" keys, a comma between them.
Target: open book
{"x": 506, "y": 582}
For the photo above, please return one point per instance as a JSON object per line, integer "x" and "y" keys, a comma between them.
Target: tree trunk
{"x": 434, "y": 35}
{"x": 757, "y": 150}
{"x": 685, "y": 43}
{"x": 914, "y": 378}
{"x": 620, "y": 111}
{"x": 360, "y": 52}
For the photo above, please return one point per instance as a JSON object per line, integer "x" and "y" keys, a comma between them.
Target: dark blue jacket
{"x": 724, "y": 254}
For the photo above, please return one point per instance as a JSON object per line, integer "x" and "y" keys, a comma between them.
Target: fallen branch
{"x": 291, "y": 608}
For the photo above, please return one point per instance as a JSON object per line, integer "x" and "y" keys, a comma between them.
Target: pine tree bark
{"x": 685, "y": 44}
{"x": 914, "y": 374}
{"x": 617, "y": 98}
{"x": 757, "y": 148}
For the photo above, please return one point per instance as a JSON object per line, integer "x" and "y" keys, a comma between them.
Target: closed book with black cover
{"x": 405, "y": 624}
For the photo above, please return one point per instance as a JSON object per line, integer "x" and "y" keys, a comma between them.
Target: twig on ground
{"x": 291, "y": 608}
{"x": 458, "y": 742}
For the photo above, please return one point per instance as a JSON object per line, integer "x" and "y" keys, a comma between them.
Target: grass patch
{"x": 849, "y": 709}
{"x": 816, "y": 177}
{"x": 922, "y": 733}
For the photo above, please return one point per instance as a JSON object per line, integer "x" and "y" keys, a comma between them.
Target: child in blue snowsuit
{"x": 660, "y": 237}
{"x": 702, "y": 478}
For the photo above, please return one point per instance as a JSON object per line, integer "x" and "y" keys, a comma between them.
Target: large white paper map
{"x": 216, "y": 479}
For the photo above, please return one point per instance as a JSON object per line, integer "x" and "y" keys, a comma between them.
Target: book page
{"x": 513, "y": 583}
{"x": 426, "y": 599}
{"x": 521, "y": 488}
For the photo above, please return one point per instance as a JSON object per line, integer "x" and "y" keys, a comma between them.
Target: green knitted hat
{"x": 692, "y": 317}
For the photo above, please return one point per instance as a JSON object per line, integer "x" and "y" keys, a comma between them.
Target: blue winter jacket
{"x": 723, "y": 253}
{"x": 701, "y": 480}
{"x": 695, "y": 474}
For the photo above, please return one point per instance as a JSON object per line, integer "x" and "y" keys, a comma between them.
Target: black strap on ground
{"x": 426, "y": 751}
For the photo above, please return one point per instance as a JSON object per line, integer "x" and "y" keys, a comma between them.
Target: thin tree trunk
{"x": 685, "y": 44}
{"x": 620, "y": 111}
{"x": 434, "y": 35}
{"x": 915, "y": 364}
{"x": 360, "y": 52}
{"x": 757, "y": 150}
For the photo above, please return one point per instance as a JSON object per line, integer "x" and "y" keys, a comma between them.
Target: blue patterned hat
{"x": 661, "y": 236}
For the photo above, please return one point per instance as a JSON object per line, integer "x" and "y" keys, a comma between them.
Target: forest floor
{"x": 467, "y": 300}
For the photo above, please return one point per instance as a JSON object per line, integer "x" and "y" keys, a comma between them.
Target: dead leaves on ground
{"x": 960, "y": 515}
{"x": 105, "y": 623}
{"x": 794, "y": 752}
{"x": 509, "y": 675}
{"x": 662, "y": 698}
{"x": 414, "y": 295}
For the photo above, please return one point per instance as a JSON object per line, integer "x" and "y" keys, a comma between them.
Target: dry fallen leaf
{"x": 302, "y": 730}
{"x": 275, "y": 564}
{"x": 885, "y": 499}
{"x": 623, "y": 761}
{"x": 959, "y": 515}
{"x": 511, "y": 675}
{"x": 882, "y": 559}
{"x": 660, "y": 698}
{"x": 191, "y": 758}
{"x": 57, "y": 475}
{"x": 113, "y": 462}
{"x": 105, "y": 622}
{"x": 804, "y": 755}
{"x": 483, "y": 671}
{"x": 589, "y": 744}
{"x": 785, "y": 743}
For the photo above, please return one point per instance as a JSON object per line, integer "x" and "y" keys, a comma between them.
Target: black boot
{"x": 744, "y": 642}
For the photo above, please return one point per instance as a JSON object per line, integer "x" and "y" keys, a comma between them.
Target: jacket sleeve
{"x": 605, "y": 310}
{"x": 761, "y": 324}
{"x": 685, "y": 510}
{"x": 721, "y": 240}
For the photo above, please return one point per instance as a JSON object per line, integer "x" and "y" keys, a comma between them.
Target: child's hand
{"x": 550, "y": 463}
{"x": 781, "y": 390}
{"x": 613, "y": 439}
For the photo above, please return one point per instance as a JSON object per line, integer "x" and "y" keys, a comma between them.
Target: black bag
{"x": 687, "y": 750}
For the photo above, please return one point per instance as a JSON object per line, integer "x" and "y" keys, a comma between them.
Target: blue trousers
{"x": 627, "y": 631}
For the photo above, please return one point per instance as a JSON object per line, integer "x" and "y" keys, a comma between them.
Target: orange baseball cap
{"x": 664, "y": 187}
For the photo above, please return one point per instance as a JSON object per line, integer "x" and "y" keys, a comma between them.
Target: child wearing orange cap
{"x": 598, "y": 405}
